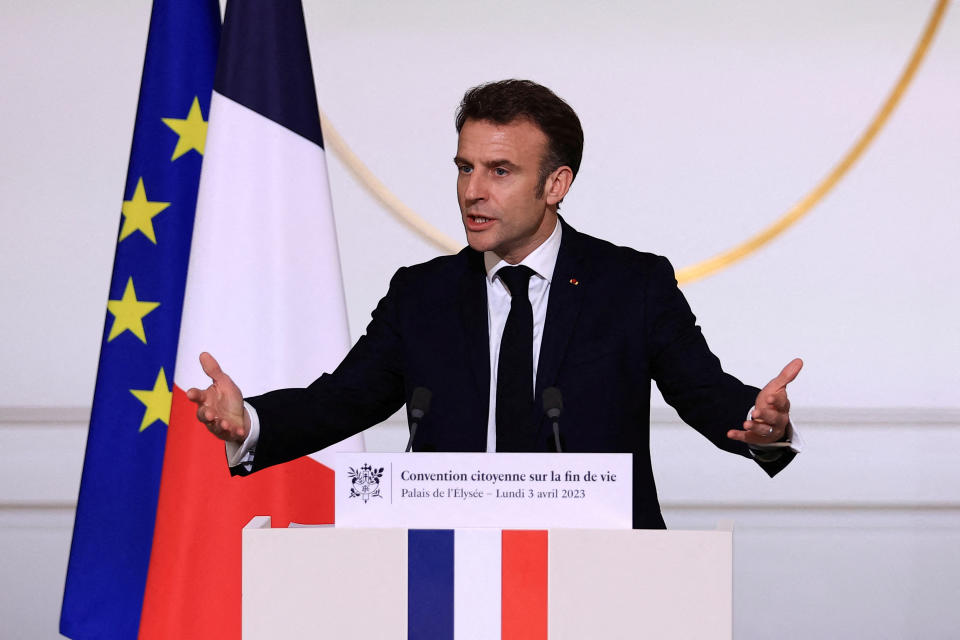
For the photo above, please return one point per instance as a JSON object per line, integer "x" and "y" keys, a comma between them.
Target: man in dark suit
{"x": 599, "y": 322}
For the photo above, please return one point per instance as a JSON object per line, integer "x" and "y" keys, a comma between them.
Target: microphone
{"x": 419, "y": 405}
{"x": 553, "y": 407}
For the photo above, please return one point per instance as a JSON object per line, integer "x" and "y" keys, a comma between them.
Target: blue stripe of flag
{"x": 284, "y": 93}
{"x": 116, "y": 508}
{"x": 430, "y": 584}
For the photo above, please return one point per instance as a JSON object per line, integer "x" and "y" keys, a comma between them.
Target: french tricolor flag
{"x": 476, "y": 583}
{"x": 264, "y": 294}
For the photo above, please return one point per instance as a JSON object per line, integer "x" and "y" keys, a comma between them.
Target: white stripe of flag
{"x": 264, "y": 292}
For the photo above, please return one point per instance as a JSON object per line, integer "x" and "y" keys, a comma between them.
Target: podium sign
{"x": 503, "y": 490}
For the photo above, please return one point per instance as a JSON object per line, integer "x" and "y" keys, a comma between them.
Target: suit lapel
{"x": 473, "y": 316}
{"x": 563, "y": 308}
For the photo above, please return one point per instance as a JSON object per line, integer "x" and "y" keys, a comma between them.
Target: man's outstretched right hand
{"x": 220, "y": 406}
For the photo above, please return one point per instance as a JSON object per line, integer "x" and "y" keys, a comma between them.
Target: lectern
{"x": 484, "y": 582}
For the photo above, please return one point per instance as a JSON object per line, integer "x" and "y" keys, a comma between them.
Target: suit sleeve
{"x": 365, "y": 389}
{"x": 689, "y": 375}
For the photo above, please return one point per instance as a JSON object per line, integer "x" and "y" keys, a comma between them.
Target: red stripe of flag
{"x": 193, "y": 588}
{"x": 524, "y": 585}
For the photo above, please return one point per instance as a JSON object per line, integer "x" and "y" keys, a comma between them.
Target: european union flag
{"x": 116, "y": 509}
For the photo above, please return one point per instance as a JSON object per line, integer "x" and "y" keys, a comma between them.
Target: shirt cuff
{"x": 242, "y": 454}
{"x": 766, "y": 452}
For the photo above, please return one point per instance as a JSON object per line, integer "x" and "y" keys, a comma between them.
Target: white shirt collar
{"x": 542, "y": 260}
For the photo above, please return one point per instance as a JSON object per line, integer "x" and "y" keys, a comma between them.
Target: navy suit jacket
{"x": 615, "y": 321}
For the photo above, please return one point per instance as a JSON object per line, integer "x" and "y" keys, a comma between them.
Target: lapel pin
{"x": 574, "y": 281}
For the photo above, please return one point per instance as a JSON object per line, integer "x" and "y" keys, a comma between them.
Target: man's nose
{"x": 476, "y": 187}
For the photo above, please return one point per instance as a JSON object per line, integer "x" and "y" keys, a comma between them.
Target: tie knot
{"x": 516, "y": 278}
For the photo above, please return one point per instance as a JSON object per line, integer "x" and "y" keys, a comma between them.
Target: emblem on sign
{"x": 365, "y": 483}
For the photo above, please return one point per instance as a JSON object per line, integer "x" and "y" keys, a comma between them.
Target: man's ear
{"x": 557, "y": 185}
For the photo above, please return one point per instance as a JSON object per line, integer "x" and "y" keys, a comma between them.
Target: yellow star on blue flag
{"x": 138, "y": 213}
{"x": 156, "y": 400}
{"x": 192, "y": 131}
{"x": 128, "y": 313}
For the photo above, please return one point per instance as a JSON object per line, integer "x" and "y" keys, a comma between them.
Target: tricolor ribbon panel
{"x": 476, "y": 583}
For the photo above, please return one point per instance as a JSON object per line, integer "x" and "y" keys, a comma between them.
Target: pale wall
{"x": 704, "y": 121}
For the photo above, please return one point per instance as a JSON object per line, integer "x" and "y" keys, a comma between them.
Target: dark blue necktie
{"x": 515, "y": 367}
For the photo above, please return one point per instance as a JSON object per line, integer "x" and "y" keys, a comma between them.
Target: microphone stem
{"x": 413, "y": 432}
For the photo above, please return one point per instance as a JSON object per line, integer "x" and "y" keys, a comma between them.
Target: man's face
{"x": 498, "y": 169}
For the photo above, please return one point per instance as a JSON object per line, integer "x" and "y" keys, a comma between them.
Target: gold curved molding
{"x": 814, "y": 196}
{"x": 406, "y": 215}
{"x": 335, "y": 142}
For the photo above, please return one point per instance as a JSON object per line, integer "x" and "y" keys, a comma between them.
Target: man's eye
{"x": 465, "y": 169}
{"x": 500, "y": 171}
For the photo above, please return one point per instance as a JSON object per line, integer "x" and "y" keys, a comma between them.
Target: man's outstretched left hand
{"x": 770, "y": 418}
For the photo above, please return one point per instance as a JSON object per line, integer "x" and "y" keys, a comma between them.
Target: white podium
{"x": 353, "y": 583}
{"x": 519, "y": 546}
